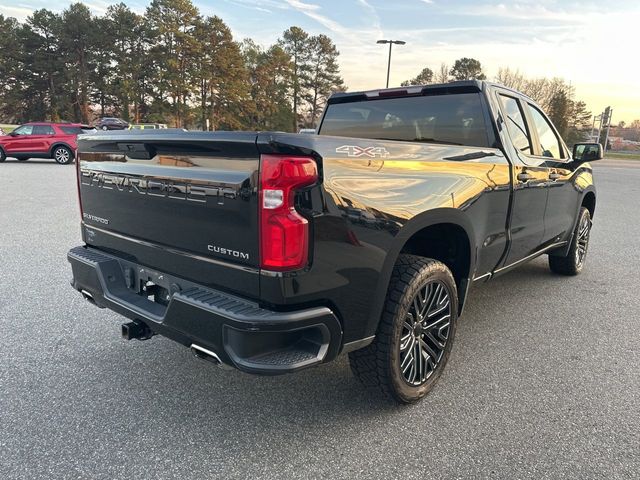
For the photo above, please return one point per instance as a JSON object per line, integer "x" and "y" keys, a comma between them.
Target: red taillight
{"x": 284, "y": 233}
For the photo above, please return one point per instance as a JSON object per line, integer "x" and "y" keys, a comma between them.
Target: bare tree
{"x": 442, "y": 75}
{"x": 511, "y": 79}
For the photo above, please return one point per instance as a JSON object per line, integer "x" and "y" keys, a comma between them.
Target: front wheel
{"x": 573, "y": 262}
{"x": 415, "y": 334}
{"x": 3, "y": 156}
{"x": 62, "y": 155}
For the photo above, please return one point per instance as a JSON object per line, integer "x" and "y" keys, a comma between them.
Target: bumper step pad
{"x": 244, "y": 334}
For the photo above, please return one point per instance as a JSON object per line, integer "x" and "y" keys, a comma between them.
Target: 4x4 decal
{"x": 356, "y": 151}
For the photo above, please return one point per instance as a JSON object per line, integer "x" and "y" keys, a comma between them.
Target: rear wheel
{"x": 62, "y": 155}
{"x": 104, "y": 127}
{"x": 573, "y": 262}
{"x": 416, "y": 331}
{"x": 22, "y": 159}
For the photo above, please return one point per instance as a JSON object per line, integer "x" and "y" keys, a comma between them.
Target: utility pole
{"x": 601, "y": 123}
{"x": 390, "y": 42}
{"x": 607, "y": 114}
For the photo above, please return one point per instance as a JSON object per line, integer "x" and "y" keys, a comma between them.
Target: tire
{"x": 104, "y": 128}
{"x": 22, "y": 159}
{"x": 62, "y": 155}
{"x": 417, "y": 284}
{"x": 573, "y": 262}
{"x": 3, "y": 156}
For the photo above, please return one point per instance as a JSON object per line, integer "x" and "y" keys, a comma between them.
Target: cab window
{"x": 439, "y": 118}
{"x": 549, "y": 143}
{"x": 516, "y": 125}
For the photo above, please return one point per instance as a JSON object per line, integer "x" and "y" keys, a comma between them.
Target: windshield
{"x": 447, "y": 119}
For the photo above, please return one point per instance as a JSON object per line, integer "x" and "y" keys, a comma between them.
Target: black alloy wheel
{"x": 415, "y": 334}
{"x": 573, "y": 262}
{"x": 425, "y": 333}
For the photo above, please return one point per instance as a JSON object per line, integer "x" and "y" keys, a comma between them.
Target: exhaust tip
{"x": 204, "y": 354}
{"x": 88, "y": 296}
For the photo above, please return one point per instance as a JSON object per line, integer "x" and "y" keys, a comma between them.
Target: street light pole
{"x": 390, "y": 42}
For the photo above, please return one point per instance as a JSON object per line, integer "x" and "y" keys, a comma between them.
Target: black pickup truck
{"x": 274, "y": 252}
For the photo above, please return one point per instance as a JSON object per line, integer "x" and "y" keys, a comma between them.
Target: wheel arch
{"x": 61, "y": 144}
{"x": 419, "y": 237}
{"x": 589, "y": 201}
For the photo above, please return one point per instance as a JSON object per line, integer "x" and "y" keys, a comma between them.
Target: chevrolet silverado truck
{"x": 274, "y": 252}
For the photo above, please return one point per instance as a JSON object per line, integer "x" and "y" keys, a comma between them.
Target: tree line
{"x": 171, "y": 65}
{"x": 628, "y": 132}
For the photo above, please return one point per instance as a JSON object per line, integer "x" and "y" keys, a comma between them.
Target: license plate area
{"x": 148, "y": 283}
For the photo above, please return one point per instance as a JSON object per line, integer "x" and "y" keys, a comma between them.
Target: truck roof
{"x": 462, "y": 86}
{"x": 465, "y": 85}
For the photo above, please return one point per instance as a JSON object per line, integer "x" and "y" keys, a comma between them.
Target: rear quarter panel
{"x": 369, "y": 205}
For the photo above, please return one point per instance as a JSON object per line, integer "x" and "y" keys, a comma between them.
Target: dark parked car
{"x": 111, "y": 123}
{"x": 281, "y": 251}
{"x": 42, "y": 140}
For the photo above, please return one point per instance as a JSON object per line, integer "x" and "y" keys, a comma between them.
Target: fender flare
{"x": 564, "y": 251}
{"x": 414, "y": 225}
{"x": 589, "y": 189}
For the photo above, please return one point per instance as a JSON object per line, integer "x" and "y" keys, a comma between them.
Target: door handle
{"x": 525, "y": 177}
{"x": 554, "y": 176}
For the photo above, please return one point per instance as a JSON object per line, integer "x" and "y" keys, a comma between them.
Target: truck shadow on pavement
{"x": 188, "y": 391}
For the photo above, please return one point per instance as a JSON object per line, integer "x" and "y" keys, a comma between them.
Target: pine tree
{"x": 220, "y": 74}
{"x": 295, "y": 42}
{"x": 172, "y": 24}
{"x": 323, "y": 76}
{"x": 77, "y": 49}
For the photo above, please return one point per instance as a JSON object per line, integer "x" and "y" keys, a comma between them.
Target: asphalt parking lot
{"x": 543, "y": 382}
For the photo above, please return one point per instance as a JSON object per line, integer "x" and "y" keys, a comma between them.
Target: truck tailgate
{"x": 179, "y": 201}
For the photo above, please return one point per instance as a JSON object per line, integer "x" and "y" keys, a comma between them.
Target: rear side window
{"x": 516, "y": 124}
{"x": 455, "y": 119}
{"x": 43, "y": 130}
{"x": 72, "y": 130}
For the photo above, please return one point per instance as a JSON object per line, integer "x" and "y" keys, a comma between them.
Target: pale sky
{"x": 593, "y": 45}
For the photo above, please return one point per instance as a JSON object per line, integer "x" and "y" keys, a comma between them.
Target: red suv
{"x": 41, "y": 140}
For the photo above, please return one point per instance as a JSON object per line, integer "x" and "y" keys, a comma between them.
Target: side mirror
{"x": 587, "y": 152}
{"x": 13, "y": 134}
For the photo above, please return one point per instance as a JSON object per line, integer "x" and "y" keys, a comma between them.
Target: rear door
{"x": 41, "y": 138}
{"x": 563, "y": 198}
{"x": 531, "y": 176}
{"x": 181, "y": 202}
